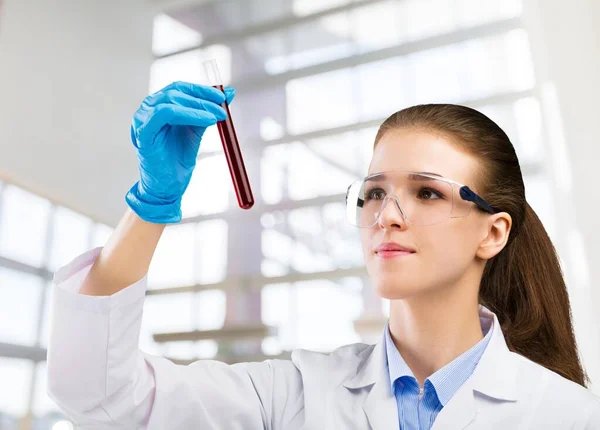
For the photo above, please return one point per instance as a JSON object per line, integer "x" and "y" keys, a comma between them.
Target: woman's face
{"x": 443, "y": 252}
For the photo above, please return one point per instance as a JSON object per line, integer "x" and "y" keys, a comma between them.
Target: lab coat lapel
{"x": 495, "y": 376}
{"x": 379, "y": 402}
{"x": 458, "y": 412}
{"x": 380, "y": 407}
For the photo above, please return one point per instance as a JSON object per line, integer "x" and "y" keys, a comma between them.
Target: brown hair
{"x": 523, "y": 285}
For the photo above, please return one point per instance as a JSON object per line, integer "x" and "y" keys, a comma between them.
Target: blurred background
{"x": 314, "y": 79}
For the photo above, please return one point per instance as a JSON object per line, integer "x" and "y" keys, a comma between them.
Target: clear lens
{"x": 421, "y": 199}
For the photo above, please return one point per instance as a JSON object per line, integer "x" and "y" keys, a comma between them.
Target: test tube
{"x": 229, "y": 139}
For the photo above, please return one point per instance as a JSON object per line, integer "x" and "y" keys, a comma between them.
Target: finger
{"x": 229, "y": 94}
{"x": 181, "y": 99}
{"x": 170, "y": 114}
{"x": 195, "y": 90}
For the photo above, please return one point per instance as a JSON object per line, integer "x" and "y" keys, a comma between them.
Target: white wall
{"x": 72, "y": 72}
{"x": 565, "y": 40}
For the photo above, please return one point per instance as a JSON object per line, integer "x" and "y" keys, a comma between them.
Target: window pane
{"x": 522, "y": 122}
{"x": 308, "y": 240}
{"x": 45, "y": 327}
{"x": 208, "y": 17}
{"x": 210, "y": 188}
{"x": 497, "y": 64}
{"x": 377, "y": 100}
{"x": 43, "y": 405}
{"x": 188, "y": 67}
{"x": 475, "y": 12}
{"x": 368, "y": 28}
{"x": 472, "y": 70}
{"x": 315, "y": 315}
{"x": 335, "y": 162}
{"x": 308, "y": 7}
{"x": 173, "y": 264}
{"x": 70, "y": 237}
{"x": 163, "y": 314}
{"x": 15, "y": 375}
{"x": 376, "y": 26}
{"x": 327, "y": 312}
{"x": 278, "y": 310}
{"x": 23, "y": 226}
{"x": 328, "y": 177}
{"x": 20, "y": 296}
{"x": 528, "y": 116}
{"x": 211, "y": 243}
{"x": 320, "y": 101}
{"x": 209, "y": 309}
{"x": 258, "y": 12}
{"x": 429, "y": 85}
{"x": 170, "y": 35}
{"x": 351, "y": 151}
{"x": 539, "y": 195}
{"x": 319, "y": 41}
{"x": 413, "y": 18}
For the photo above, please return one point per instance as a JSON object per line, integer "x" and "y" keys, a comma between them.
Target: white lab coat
{"x": 101, "y": 380}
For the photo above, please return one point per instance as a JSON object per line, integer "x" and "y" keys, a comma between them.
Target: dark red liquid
{"x": 235, "y": 160}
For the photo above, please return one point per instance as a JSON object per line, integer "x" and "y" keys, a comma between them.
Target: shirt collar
{"x": 449, "y": 378}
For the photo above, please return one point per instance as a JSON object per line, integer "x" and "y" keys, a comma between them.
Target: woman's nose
{"x": 391, "y": 214}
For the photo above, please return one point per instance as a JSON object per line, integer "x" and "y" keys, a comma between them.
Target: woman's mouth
{"x": 392, "y": 254}
{"x": 392, "y": 250}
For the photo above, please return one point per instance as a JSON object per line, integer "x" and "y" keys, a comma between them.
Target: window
{"x": 188, "y": 67}
{"x": 307, "y": 7}
{"x": 210, "y": 189}
{"x": 461, "y": 72}
{"x": 170, "y": 35}
{"x": 320, "y": 101}
{"x": 174, "y": 259}
{"x": 211, "y": 245}
{"x": 45, "y": 316}
{"x": 308, "y": 240}
{"x": 521, "y": 120}
{"x": 16, "y": 377}
{"x": 332, "y": 308}
{"x": 335, "y": 162}
{"x": 23, "y": 226}
{"x": 539, "y": 196}
{"x": 71, "y": 234}
{"x": 20, "y": 296}
{"x": 164, "y": 314}
{"x": 42, "y": 404}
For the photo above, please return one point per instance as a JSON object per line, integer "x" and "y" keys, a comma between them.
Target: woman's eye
{"x": 376, "y": 194}
{"x": 429, "y": 194}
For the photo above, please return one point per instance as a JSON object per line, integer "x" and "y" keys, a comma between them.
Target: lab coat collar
{"x": 495, "y": 376}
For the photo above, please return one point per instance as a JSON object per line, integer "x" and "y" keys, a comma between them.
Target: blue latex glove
{"x": 166, "y": 131}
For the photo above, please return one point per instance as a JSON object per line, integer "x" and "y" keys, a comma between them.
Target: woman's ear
{"x": 498, "y": 230}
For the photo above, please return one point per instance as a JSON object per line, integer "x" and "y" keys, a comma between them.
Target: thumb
{"x": 229, "y": 94}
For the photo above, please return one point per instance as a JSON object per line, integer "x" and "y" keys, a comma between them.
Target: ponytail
{"x": 524, "y": 286}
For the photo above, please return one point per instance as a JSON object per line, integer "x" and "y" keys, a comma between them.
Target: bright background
{"x": 314, "y": 79}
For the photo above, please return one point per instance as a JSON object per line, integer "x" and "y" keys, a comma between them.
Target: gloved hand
{"x": 166, "y": 131}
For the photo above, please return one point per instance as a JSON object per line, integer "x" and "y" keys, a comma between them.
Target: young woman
{"x": 479, "y": 334}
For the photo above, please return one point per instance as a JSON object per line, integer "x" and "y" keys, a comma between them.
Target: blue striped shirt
{"x": 417, "y": 409}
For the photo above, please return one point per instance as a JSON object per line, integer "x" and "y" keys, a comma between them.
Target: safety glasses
{"x": 421, "y": 198}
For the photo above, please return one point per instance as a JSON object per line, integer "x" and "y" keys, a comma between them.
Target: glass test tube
{"x": 231, "y": 147}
